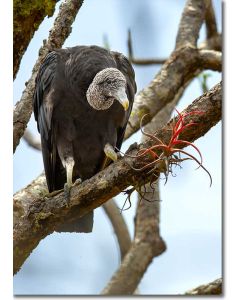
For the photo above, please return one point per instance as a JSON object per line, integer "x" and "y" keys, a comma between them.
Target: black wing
{"x": 126, "y": 68}
{"x": 43, "y": 108}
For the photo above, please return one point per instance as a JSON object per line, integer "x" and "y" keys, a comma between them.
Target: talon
{"x": 52, "y": 194}
{"x": 66, "y": 190}
{"x": 119, "y": 155}
{"x": 109, "y": 152}
{"x": 132, "y": 147}
{"x": 78, "y": 181}
{"x": 69, "y": 164}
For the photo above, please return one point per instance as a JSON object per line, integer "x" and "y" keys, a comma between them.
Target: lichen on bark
{"x": 27, "y": 16}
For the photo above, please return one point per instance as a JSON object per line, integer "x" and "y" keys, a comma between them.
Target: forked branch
{"x": 37, "y": 216}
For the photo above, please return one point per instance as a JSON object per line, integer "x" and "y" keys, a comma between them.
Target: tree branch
{"x": 147, "y": 220}
{"x": 210, "y": 59}
{"x": 119, "y": 226}
{"x": 210, "y": 20}
{"x": 144, "y": 248}
{"x": 176, "y": 73}
{"x": 181, "y": 67}
{"x": 190, "y": 24}
{"x": 214, "y": 43}
{"x": 27, "y": 16}
{"x": 32, "y": 140}
{"x": 212, "y": 288}
{"x": 60, "y": 31}
{"x": 37, "y": 216}
{"x": 110, "y": 207}
{"x": 141, "y": 61}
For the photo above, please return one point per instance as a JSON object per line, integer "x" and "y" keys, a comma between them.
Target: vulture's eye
{"x": 108, "y": 81}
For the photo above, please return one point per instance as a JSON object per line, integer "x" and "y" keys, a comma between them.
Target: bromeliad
{"x": 164, "y": 156}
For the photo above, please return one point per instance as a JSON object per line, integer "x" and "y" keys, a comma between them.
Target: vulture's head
{"x": 108, "y": 85}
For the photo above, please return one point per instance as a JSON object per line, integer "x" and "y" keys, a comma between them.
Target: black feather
{"x": 65, "y": 118}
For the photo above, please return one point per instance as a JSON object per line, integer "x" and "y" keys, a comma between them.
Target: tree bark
{"x": 27, "y": 16}
{"x": 147, "y": 230}
{"x": 60, "y": 31}
{"x": 176, "y": 72}
{"x": 210, "y": 20}
{"x": 37, "y": 216}
{"x": 190, "y": 24}
{"x": 212, "y": 288}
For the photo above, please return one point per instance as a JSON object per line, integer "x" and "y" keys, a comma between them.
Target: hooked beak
{"x": 122, "y": 98}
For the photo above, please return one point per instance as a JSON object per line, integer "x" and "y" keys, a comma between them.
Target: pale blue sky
{"x": 190, "y": 210}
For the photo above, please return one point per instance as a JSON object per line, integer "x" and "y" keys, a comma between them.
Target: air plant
{"x": 168, "y": 152}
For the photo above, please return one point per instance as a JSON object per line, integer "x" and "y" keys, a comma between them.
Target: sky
{"x": 191, "y": 212}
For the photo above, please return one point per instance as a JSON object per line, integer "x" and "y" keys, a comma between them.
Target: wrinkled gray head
{"x": 108, "y": 85}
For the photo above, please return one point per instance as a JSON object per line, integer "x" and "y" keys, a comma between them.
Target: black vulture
{"x": 82, "y": 102}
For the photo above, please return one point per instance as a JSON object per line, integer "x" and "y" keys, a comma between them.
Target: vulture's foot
{"x": 52, "y": 194}
{"x": 66, "y": 190}
{"x": 134, "y": 146}
{"x": 110, "y": 152}
{"x": 69, "y": 164}
{"x": 78, "y": 181}
{"x": 119, "y": 155}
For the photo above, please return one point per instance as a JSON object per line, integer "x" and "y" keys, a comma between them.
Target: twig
{"x": 146, "y": 61}
{"x": 58, "y": 34}
{"x": 32, "y": 140}
{"x": 37, "y": 216}
{"x": 141, "y": 61}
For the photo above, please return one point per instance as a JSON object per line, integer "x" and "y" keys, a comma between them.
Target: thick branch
{"x": 212, "y": 288}
{"x": 147, "y": 220}
{"x": 27, "y": 16}
{"x": 60, "y": 31}
{"x": 178, "y": 70}
{"x": 214, "y": 43}
{"x": 210, "y": 59}
{"x": 190, "y": 24}
{"x": 210, "y": 19}
{"x": 37, "y": 216}
{"x": 143, "y": 250}
{"x": 110, "y": 207}
{"x": 139, "y": 257}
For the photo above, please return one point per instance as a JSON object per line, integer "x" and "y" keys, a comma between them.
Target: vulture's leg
{"x": 111, "y": 155}
{"x": 69, "y": 164}
{"x": 110, "y": 152}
